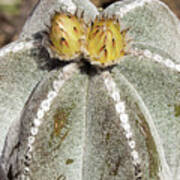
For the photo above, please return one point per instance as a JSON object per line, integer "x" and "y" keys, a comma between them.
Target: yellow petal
{"x": 105, "y": 43}
{"x": 66, "y": 35}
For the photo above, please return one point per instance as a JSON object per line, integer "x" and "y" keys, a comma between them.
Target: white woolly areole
{"x": 132, "y": 144}
{"x": 120, "y": 107}
{"x": 156, "y": 58}
{"x": 123, "y": 116}
{"x": 34, "y": 131}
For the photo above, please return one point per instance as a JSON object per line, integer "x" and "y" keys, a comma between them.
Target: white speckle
{"x": 45, "y": 105}
{"x": 26, "y": 170}
{"x": 120, "y": 107}
{"x": 29, "y": 148}
{"x": 178, "y": 67}
{"x": 129, "y": 135}
{"x": 132, "y": 144}
{"x": 51, "y": 95}
{"x": 157, "y": 58}
{"x": 126, "y": 127}
{"x": 169, "y": 63}
{"x": 124, "y": 118}
{"x": 135, "y": 155}
{"x": 37, "y": 122}
{"x": 147, "y": 53}
{"x": 34, "y": 131}
{"x": 40, "y": 113}
{"x": 116, "y": 96}
{"x": 31, "y": 139}
{"x": 57, "y": 85}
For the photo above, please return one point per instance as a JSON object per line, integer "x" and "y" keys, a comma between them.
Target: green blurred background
{"x": 13, "y": 14}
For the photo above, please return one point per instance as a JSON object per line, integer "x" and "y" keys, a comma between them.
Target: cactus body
{"x": 82, "y": 122}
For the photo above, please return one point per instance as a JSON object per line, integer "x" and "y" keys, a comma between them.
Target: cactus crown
{"x": 102, "y": 43}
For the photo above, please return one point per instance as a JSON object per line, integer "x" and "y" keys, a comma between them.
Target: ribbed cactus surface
{"x": 80, "y": 120}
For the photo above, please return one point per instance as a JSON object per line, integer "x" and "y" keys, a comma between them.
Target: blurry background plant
{"x": 13, "y": 14}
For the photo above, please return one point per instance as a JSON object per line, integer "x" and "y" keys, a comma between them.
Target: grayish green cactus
{"x": 77, "y": 122}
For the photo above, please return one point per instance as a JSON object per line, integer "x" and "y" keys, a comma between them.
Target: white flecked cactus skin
{"x": 77, "y": 122}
